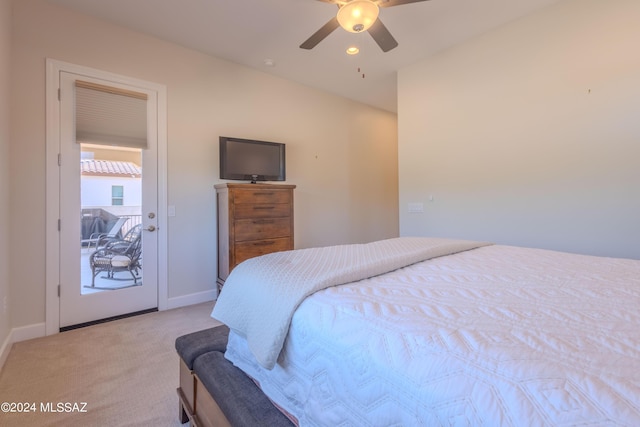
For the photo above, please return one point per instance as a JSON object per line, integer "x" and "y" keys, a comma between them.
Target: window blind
{"x": 108, "y": 115}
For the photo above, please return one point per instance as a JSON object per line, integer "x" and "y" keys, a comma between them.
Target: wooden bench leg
{"x": 182, "y": 414}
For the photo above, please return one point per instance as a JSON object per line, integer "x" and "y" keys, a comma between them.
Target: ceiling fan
{"x": 357, "y": 16}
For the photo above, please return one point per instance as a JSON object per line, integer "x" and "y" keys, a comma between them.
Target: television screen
{"x": 247, "y": 159}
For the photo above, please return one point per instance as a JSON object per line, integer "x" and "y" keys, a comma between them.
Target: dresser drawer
{"x": 260, "y": 229}
{"x": 264, "y": 210}
{"x": 259, "y": 196}
{"x": 246, "y": 250}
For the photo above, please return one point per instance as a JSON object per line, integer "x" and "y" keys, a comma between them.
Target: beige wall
{"x": 530, "y": 134}
{"x": 341, "y": 155}
{"x": 5, "y": 60}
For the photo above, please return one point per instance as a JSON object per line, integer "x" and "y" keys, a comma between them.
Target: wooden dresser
{"x": 253, "y": 220}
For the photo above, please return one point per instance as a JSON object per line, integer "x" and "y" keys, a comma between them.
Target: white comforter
{"x": 493, "y": 336}
{"x": 261, "y": 294}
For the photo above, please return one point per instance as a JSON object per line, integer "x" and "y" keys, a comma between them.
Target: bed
{"x": 426, "y": 331}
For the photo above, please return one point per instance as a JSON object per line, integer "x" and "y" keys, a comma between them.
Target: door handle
{"x": 150, "y": 228}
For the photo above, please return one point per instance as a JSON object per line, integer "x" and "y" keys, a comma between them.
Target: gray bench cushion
{"x": 239, "y": 398}
{"x": 190, "y": 346}
{"x": 241, "y": 401}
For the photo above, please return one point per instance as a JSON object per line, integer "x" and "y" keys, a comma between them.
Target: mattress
{"x": 496, "y": 335}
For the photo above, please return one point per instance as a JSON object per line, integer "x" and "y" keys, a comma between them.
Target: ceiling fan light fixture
{"x": 358, "y": 15}
{"x": 352, "y": 50}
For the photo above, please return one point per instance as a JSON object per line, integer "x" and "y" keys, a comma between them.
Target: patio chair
{"x": 100, "y": 239}
{"x": 119, "y": 255}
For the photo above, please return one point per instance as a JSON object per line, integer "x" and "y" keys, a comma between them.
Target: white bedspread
{"x": 261, "y": 294}
{"x": 495, "y": 336}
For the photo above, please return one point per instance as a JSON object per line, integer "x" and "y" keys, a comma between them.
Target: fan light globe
{"x": 358, "y": 15}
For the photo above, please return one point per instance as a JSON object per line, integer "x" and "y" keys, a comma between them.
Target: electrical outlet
{"x": 415, "y": 208}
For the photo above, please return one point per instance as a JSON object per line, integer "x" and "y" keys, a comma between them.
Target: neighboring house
{"x": 112, "y": 185}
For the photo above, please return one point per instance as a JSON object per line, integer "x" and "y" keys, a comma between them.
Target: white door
{"x": 108, "y": 212}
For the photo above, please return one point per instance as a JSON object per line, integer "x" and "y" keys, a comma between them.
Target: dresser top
{"x": 256, "y": 186}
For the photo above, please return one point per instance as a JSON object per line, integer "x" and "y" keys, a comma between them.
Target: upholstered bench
{"x": 213, "y": 392}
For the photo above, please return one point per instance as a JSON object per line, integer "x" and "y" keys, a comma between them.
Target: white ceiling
{"x": 248, "y": 32}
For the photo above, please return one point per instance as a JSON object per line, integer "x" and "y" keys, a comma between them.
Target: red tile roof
{"x": 91, "y": 167}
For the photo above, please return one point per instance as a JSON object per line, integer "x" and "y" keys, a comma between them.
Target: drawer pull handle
{"x": 267, "y": 243}
{"x": 263, "y": 208}
{"x": 264, "y": 221}
{"x": 263, "y": 194}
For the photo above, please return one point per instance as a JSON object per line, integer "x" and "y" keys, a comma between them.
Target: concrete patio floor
{"x": 121, "y": 279}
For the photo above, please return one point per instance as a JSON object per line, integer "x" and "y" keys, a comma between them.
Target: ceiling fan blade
{"x": 382, "y": 36}
{"x": 389, "y": 3}
{"x": 320, "y": 35}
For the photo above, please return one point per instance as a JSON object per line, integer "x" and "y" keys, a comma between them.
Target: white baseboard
{"x": 22, "y": 333}
{"x": 191, "y": 299}
{"x": 4, "y": 350}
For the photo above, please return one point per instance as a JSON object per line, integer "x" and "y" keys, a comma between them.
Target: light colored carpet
{"x": 126, "y": 371}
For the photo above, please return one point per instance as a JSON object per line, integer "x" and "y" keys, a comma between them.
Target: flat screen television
{"x": 248, "y": 159}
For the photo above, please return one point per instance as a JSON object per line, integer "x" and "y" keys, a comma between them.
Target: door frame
{"x": 52, "y": 232}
